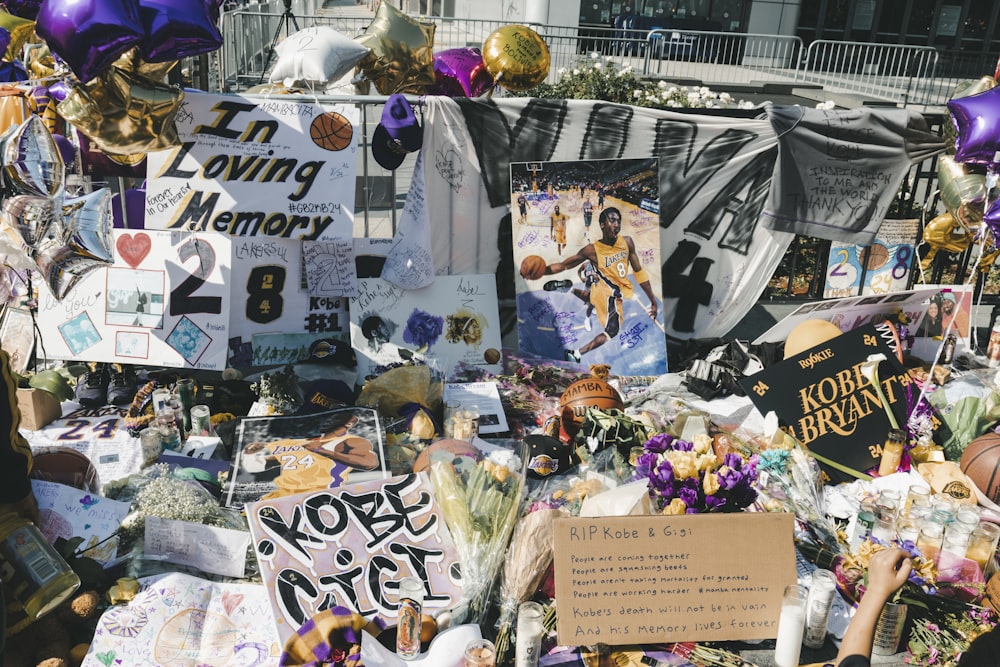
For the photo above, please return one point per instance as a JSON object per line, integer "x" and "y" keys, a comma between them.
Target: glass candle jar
{"x": 791, "y": 625}
{"x": 411, "y": 602}
{"x": 480, "y": 653}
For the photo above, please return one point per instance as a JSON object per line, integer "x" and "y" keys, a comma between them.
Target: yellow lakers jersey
{"x": 613, "y": 266}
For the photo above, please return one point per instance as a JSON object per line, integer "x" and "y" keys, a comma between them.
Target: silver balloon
{"x": 30, "y": 215}
{"x": 14, "y": 252}
{"x": 88, "y": 221}
{"x": 31, "y": 160}
{"x": 62, "y": 266}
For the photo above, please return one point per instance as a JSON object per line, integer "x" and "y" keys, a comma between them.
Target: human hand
{"x": 887, "y": 572}
{"x": 653, "y": 311}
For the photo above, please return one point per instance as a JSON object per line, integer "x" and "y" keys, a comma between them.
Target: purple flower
{"x": 644, "y": 465}
{"x": 688, "y": 491}
{"x": 422, "y": 328}
{"x": 683, "y": 445}
{"x": 662, "y": 480}
{"x": 659, "y": 443}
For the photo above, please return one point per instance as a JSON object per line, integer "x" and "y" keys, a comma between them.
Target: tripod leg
{"x": 274, "y": 42}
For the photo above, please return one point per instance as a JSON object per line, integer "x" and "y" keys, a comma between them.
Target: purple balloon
{"x": 59, "y": 90}
{"x": 66, "y": 149}
{"x": 135, "y": 210}
{"x": 177, "y": 29}
{"x": 12, "y": 71}
{"x": 460, "y": 73}
{"x": 89, "y": 34}
{"x": 977, "y": 119}
{"x": 26, "y": 9}
{"x": 4, "y": 39}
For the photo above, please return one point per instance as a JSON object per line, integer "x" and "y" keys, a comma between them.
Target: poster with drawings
{"x": 884, "y": 266}
{"x": 452, "y": 322}
{"x": 374, "y": 533}
{"x": 165, "y": 300}
{"x": 586, "y": 244}
{"x": 178, "y": 619}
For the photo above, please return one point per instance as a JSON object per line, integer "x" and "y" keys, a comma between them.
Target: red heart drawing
{"x": 231, "y": 601}
{"x": 133, "y": 249}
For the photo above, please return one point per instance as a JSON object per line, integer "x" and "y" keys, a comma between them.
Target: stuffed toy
{"x": 61, "y": 638}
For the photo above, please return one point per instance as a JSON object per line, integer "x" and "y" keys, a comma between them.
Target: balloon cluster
{"x": 65, "y": 239}
{"x": 395, "y": 55}
{"x": 975, "y": 112}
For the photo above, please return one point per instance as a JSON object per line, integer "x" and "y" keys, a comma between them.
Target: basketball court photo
{"x": 564, "y": 300}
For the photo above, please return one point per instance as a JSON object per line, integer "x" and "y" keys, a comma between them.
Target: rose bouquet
{"x": 480, "y": 507}
{"x": 688, "y": 477}
{"x": 942, "y": 642}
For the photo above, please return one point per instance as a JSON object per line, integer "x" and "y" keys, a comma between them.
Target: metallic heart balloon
{"x": 30, "y": 215}
{"x": 31, "y": 160}
{"x": 124, "y": 115}
{"x": 90, "y": 34}
{"x": 176, "y": 29}
{"x": 88, "y": 223}
{"x": 977, "y": 119}
{"x": 517, "y": 57}
{"x": 460, "y": 72}
{"x": 62, "y": 264}
{"x": 131, "y": 63}
{"x": 27, "y": 9}
{"x": 963, "y": 191}
{"x": 401, "y": 58}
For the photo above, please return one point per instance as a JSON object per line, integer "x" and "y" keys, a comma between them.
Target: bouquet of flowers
{"x": 480, "y": 507}
{"x": 942, "y": 642}
{"x": 688, "y": 477}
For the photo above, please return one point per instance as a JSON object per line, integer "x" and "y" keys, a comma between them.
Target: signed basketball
{"x": 583, "y": 394}
{"x": 331, "y": 131}
{"x": 532, "y": 267}
{"x": 981, "y": 462}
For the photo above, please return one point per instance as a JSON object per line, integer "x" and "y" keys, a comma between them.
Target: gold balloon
{"x": 944, "y": 233}
{"x": 39, "y": 61}
{"x": 132, "y": 63}
{"x": 962, "y": 193}
{"x": 13, "y": 107}
{"x": 20, "y": 30}
{"x": 401, "y": 57}
{"x": 124, "y": 115}
{"x": 517, "y": 57}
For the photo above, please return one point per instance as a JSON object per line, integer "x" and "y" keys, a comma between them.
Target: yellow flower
{"x": 684, "y": 464}
{"x": 707, "y": 462}
{"x": 702, "y": 443}
{"x": 675, "y": 507}
{"x": 710, "y": 484}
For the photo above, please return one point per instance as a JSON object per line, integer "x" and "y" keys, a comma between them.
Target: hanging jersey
{"x": 613, "y": 266}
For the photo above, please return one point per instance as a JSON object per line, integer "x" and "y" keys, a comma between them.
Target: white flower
{"x": 744, "y": 104}
{"x": 725, "y": 97}
{"x": 704, "y": 91}
{"x": 598, "y": 65}
{"x": 673, "y": 104}
{"x": 829, "y": 104}
{"x": 636, "y": 93}
{"x": 576, "y": 72}
{"x": 672, "y": 90}
{"x": 661, "y": 85}
{"x": 594, "y": 55}
{"x": 693, "y": 96}
{"x": 561, "y": 71}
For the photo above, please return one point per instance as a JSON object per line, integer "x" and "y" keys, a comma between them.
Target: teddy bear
{"x": 60, "y": 638}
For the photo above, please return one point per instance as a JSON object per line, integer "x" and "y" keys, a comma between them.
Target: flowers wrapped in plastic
{"x": 480, "y": 507}
{"x": 688, "y": 478}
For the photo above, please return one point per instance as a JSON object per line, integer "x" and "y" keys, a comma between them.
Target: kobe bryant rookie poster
{"x": 586, "y": 243}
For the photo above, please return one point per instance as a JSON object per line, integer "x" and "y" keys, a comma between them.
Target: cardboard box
{"x": 38, "y": 408}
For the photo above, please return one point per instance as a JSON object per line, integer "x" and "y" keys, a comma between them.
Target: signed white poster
{"x": 278, "y": 168}
{"x": 453, "y": 321}
{"x": 164, "y": 301}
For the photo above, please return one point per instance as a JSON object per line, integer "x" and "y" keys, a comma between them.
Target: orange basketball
{"x": 583, "y": 394}
{"x": 532, "y": 267}
{"x": 981, "y": 462}
{"x": 331, "y": 131}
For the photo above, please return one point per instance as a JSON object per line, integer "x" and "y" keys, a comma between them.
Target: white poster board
{"x": 276, "y": 168}
{"x": 164, "y": 301}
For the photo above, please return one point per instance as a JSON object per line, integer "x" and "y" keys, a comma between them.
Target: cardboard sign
{"x": 350, "y": 546}
{"x": 266, "y": 168}
{"x": 828, "y": 404}
{"x": 649, "y": 579}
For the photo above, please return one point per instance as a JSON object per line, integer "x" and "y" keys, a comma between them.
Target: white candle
{"x": 790, "y": 627}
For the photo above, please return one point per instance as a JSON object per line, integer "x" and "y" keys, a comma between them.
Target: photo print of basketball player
{"x": 601, "y": 304}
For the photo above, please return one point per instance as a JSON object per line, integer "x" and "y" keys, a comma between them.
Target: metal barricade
{"x": 721, "y": 57}
{"x": 895, "y": 73}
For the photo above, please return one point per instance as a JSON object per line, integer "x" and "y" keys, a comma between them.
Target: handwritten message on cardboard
{"x": 647, "y": 579}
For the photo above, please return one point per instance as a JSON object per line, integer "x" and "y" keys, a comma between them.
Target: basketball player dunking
{"x": 608, "y": 284}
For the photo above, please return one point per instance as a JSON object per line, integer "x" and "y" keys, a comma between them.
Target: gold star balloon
{"x": 401, "y": 58}
{"x": 123, "y": 114}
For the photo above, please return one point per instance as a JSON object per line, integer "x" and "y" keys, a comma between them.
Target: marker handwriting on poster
{"x": 395, "y": 521}
{"x": 330, "y": 268}
{"x": 251, "y": 168}
{"x": 370, "y": 291}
